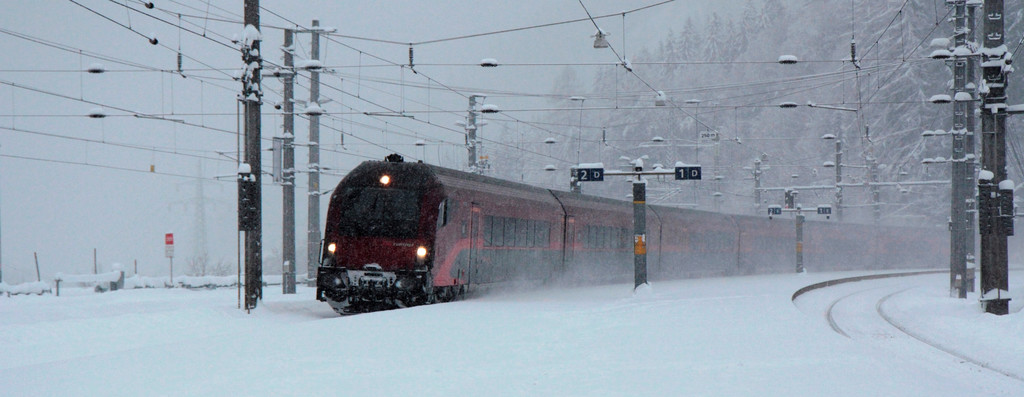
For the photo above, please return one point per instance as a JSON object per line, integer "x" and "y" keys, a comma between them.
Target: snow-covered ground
{"x": 718, "y": 337}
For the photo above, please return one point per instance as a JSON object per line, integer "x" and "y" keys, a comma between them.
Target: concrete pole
{"x": 799, "y": 242}
{"x": 288, "y": 170}
{"x": 993, "y": 222}
{"x": 313, "y": 215}
{"x": 252, "y": 96}
{"x": 757, "y": 186}
{"x": 716, "y": 198}
{"x": 969, "y": 143}
{"x": 839, "y": 177}
{"x": 970, "y": 148}
{"x": 876, "y": 206}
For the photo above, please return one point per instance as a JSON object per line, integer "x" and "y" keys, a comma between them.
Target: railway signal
{"x": 594, "y": 172}
{"x": 775, "y": 210}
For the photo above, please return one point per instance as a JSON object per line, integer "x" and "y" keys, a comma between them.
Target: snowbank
{"x": 38, "y": 288}
{"x": 109, "y": 277}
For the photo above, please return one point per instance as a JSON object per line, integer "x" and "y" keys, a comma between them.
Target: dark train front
{"x": 379, "y": 238}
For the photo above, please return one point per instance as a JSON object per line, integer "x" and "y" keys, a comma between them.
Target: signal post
{"x": 595, "y": 173}
{"x": 799, "y": 211}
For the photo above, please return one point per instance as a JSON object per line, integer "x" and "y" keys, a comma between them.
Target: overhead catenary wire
{"x": 152, "y": 149}
{"x": 460, "y": 89}
{"x": 110, "y": 167}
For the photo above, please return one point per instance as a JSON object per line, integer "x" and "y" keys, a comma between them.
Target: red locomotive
{"x": 401, "y": 234}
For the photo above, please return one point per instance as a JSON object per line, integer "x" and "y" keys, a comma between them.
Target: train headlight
{"x": 421, "y": 252}
{"x": 331, "y": 248}
{"x": 385, "y": 180}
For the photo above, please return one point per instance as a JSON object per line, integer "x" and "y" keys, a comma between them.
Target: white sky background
{"x": 63, "y": 211}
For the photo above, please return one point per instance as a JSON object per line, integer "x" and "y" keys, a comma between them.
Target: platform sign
{"x": 688, "y": 173}
{"x": 590, "y": 174}
{"x": 774, "y": 210}
{"x": 169, "y": 245}
{"x": 824, "y": 210}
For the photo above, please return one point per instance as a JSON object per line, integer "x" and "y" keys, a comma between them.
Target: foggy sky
{"x": 63, "y": 211}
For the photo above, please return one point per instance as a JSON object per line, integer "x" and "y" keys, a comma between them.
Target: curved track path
{"x": 866, "y": 311}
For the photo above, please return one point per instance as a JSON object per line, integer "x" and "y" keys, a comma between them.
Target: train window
{"x": 541, "y": 231}
{"x": 510, "y": 232}
{"x": 498, "y": 232}
{"x": 376, "y": 212}
{"x": 531, "y": 237}
{"x": 442, "y": 214}
{"x": 522, "y": 233}
{"x": 488, "y": 223}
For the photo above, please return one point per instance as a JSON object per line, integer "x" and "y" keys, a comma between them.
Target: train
{"x": 402, "y": 234}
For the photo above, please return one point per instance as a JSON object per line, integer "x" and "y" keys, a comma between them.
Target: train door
{"x": 475, "y": 215}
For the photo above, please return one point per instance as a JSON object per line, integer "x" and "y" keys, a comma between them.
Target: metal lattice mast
{"x": 961, "y": 160}
{"x": 472, "y": 143}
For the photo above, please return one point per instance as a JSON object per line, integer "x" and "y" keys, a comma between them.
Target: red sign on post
{"x": 169, "y": 245}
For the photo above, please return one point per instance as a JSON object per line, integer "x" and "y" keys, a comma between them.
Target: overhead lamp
{"x": 941, "y": 53}
{"x": 314, "y": 109}
{"x": 788, "y": 59}
{"x": 96, "y": 68}
{"x": 489, "y": 62}
{"x": 660, "y": 99}
{"x": 600, "y": 40}
{"x": 788, "y": 105}
{"x": 97, "y": 113}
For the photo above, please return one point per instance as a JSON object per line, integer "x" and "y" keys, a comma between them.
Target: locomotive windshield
{"x": 377, "y": 212}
